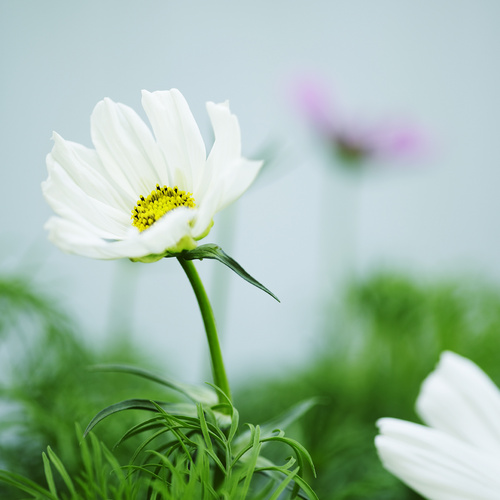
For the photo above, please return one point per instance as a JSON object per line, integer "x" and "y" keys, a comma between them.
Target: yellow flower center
{"x": 161, "y": 200}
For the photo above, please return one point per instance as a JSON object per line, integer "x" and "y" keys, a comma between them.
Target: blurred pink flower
{"x": 353, "y": 140}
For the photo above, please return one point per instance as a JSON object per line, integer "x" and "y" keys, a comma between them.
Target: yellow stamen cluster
{"x": 161, "y": 200}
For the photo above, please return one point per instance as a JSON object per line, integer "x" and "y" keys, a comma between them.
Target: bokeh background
{"x": 306, "y": 228}
{"x": 434, "y": 63}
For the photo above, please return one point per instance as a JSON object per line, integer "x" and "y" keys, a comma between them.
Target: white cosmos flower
{"x": 94, "y": 191}
{"x": 458, "y": 456}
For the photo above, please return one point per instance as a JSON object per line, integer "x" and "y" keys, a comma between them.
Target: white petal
{"x": 226, "y": 170}
{"x": 168, "y": 231}
{"x": 206, "y": 212}
{"x": 223, "y": 190}
{"x": 127, "y": 149}
{"x": 178, "y": 136}
{"x": 459, "y": 398}
{"x": 436, "y": 465}
{"x": 237, "y": 180}
{"x": 227, "y": 144}
{"x": 73, "y": 237}
{"x": 68, "y": 200}
{"x": 226, "y": 150}
{"x": 85, "y": 169}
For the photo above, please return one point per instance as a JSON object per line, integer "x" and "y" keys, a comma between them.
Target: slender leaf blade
{"x": 135, "y": 404}
{"x": 26, "y": 485}
{"x": 62, "y": 471}
{"x": 212, "y": 251}
{"x": 48, "y": 475}
{"x": 198, "y": 394}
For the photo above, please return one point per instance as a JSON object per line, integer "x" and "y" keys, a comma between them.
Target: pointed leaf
{"x": 283, "y": 486}
{"x": 280, "y": 422}
{"x": 211, "y": 251}
{"x": 274, "y": 472}
{"x": 299, "y": 449}
{"x": 298, "y": 480}
{"x": 138, "y": 404}
{"x": 204, "y": 428}
{"x": 252, "y": 461}
{"x": 48, "y": 475}
{"x": 198, "y": 394}
{"x": 289, "y": 416}
{"x": 27, "y": 485}
{"x": 62, "y": 471}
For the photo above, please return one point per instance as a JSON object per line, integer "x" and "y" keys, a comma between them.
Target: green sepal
{"x": 212, "y": 251}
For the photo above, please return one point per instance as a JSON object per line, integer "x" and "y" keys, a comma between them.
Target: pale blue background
{"x": 436, "y": 62}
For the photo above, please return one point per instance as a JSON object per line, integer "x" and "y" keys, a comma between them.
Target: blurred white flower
{"x": 458, "y": 456}
{"x": 138, "y": 197}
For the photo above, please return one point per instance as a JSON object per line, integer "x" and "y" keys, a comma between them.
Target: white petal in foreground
{"x": 73, "y": 237}
{"x": 460, "y": 399}
{"x": 438, "y": 466}
{"x": 458, "y": 457}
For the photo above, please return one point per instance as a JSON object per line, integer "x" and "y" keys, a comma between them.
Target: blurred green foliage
{"x": 46, "y": 385}
{"x": 379, "y": 343}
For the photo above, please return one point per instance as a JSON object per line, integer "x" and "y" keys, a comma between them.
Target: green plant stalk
{"x": 218, "y": 370}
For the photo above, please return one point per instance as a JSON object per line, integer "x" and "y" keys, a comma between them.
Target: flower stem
{"x": 218, "y": 370}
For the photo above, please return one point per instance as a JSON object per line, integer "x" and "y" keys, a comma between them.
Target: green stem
{"x": 218, "y": 370}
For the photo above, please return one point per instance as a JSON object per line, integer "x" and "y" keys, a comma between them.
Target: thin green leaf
{"x": 204, "y": 428}
{"x": 235, "y": 420}
{"x": 211, "y": 251}
{"x": 96, "y": 454}
{"x": 281, "y": 421}
{"x": 62, "y": 471}
{"x": 290, "y": 475}
{"x": 167, "y": 463}
{"x": 243, "y": 449}
{"x": 299, "y": 449}
{"x": 306, "y": 488}
{"x": 252, "y": 461}
{"x": 297, "y": 479}
{"x": 145, "y": 443}
{"x": 147, "y": 425}
{"x": 263, "y": 494}
{"x": 26, "y": 485}
{"x": 129, "y": 404}
{"x": 48, "y": 475}
{"x": 143, "y": 468}
{"x": 175, "y": 429}
{"x": 198, "y": 394}
{"x": 85, "y": 454}
{"x": 115, "y": 466}
{"x": 273, "y": 471}
{"x": 290, "y": 416}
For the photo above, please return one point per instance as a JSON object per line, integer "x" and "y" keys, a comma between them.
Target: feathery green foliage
{"x": 379, "y": 344}
{"x": 185, "y": 457}
{"x": 46, "y": 386}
